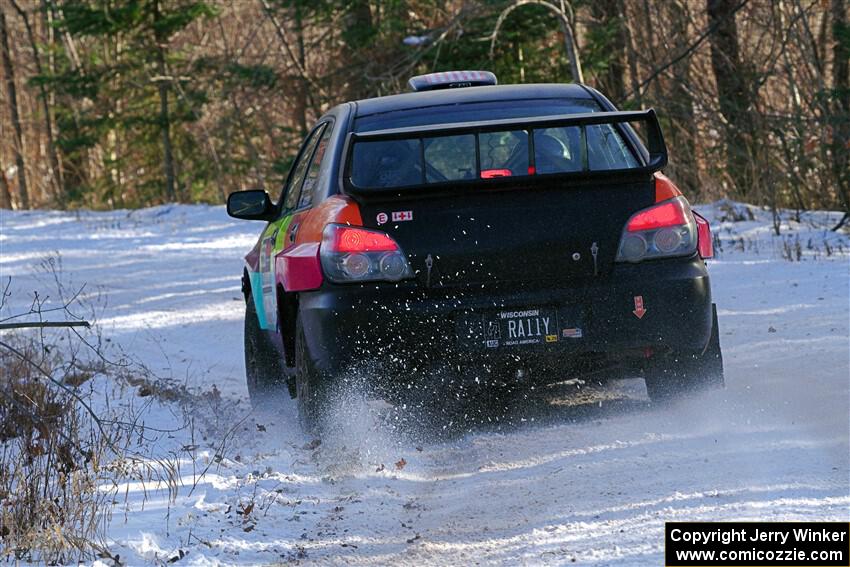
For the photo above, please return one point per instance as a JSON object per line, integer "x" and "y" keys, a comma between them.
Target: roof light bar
{"x": 451, "y": 80}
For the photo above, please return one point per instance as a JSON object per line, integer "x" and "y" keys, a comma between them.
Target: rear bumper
{"x": 349, "y": 325}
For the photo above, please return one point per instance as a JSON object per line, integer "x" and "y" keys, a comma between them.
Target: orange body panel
{"x": 664, "y": 188}
{"x": 337, "y": 209}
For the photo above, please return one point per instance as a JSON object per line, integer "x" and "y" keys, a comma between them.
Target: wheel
{"x": 675, "y": 376}
{"x": 263, "y": 368}
{"x": 309, "y": 385}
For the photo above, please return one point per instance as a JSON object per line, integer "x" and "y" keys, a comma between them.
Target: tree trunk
{"x": 53, "y": 156}
{"x": 23, "y": 193}
{"x": 648, "y": 44}
{"x": 684, "y": 164}
{"x": 76, "y": 169}
{"x": 5, "y": 194}
{"x": 732, "y": 91}
{"x": 631, "y": 55}
{"x": 571, "y": 45}
{"x": 358, "y": 34}
{"x": 164, "y": 119}
{"x": 606, "y": 13}
{"x": 841, "y": 113}
{"x": 301, "y": 98}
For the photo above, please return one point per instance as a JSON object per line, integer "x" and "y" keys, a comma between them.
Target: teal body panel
{"x": 262, "y": 279}
{"x": 257, "y": 295}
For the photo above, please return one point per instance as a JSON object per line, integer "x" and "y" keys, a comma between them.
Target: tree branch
{"x": 637, "y": 91}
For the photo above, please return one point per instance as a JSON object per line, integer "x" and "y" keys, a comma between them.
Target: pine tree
{"x": 130, "y": 94}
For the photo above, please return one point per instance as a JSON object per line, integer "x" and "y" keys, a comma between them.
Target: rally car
{"x": 525, "y": 229}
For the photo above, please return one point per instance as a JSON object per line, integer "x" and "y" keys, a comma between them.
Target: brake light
{"x": 491, "y": 173}
{"x": 667, "y": 214}
{"x": 665, "y": 230}
{"x": 351, "y": 240}
{"x": 353, "y": 254}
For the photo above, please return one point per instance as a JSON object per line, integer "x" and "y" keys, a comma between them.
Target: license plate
{"x": 512, "y": 327}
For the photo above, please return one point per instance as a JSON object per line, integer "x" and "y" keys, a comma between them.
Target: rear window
{"x": 487, "y": 155}
{"x": 516, "y": 152}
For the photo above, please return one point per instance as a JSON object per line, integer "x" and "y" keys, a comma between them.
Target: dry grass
{"x": 65, "y": 447}
{"x": 51, "y": 455}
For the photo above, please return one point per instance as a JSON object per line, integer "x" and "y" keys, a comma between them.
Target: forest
{"x": 111, "y": 104}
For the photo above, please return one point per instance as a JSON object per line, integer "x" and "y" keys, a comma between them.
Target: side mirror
{"x": 250, "y": 205}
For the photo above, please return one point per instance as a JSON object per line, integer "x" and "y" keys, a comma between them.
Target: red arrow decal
{"x": 639, "y": 310}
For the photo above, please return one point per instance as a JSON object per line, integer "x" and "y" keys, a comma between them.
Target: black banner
{"x": 757, "y": 544}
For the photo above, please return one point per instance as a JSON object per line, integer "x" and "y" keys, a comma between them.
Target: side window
{"x": 293, "y": 188}
{"x": 313, "y": 173}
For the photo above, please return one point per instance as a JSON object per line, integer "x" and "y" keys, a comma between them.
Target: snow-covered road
{"x": 584, "y": 474}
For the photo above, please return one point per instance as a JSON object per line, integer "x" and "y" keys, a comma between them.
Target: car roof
{"x": 413, "y": 100}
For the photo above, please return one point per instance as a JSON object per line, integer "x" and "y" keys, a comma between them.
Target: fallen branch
{"x": 43, "y": 324}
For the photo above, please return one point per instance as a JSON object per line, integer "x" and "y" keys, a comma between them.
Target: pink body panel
{"x": 704, "y": 244}
{"x": 299, "y": 268}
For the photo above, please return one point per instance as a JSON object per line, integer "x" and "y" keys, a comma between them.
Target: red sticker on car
{"x": 401, "y": 216}
{"x": 639, "y": 310}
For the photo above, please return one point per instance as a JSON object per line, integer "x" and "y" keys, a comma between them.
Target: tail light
{"x": 354, "y": 254}
{"x": 664, "y": 230}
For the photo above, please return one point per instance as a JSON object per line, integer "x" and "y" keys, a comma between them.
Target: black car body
{"x": 523, "y": 228}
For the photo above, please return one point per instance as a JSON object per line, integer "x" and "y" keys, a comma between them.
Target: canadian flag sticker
{"x": 401, "y": 216}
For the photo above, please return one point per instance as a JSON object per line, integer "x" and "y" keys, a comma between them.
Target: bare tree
{"x": 55, "y": 168}
{"x": 753, "y": 94}
{"x": 163, "y": 82}
{"x": 612, "y": 81}
{"x": 841, "y": 90}
{"x": 14, "y": 111}
{"x": 566, "y": 26}
{"x": 358, "y": 31}
{"x": 733, "y": 91}
{"x": 5, "y": 194}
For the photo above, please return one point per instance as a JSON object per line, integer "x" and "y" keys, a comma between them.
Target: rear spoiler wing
{"x": 656, "y": 147}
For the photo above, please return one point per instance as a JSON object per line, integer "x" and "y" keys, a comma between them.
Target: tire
{"x": 675, "y": 376}
{"x": 263, "y": 366}
{"x": 309, "y": 385}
